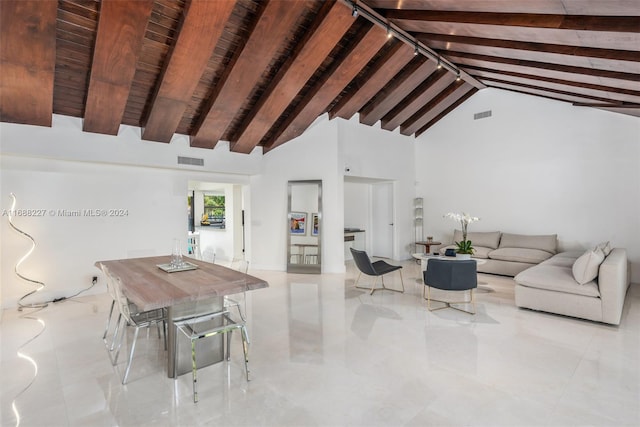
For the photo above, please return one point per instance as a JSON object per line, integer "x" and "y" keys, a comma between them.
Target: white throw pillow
{"x": 585, "y": 269}
{"x": 605, "y": 247}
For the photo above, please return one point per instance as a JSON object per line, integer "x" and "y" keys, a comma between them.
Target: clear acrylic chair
{"x": 109, "y": 344}
{"x": 130, "y": 316}
{"x": 208, "y": 325}
{"x": 239, "y": 301}
{"x": 109, "y": 337}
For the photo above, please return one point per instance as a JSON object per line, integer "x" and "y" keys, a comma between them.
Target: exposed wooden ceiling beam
{"x": 201, "y": 28}
{"x": 615, "y": 94}
{"x": 630, "y": 24}
{"x": 631, "y": 110}
{"x": 427, "y": 90}
{"x": 332, "y": 23}
{"x": 541, "y": 92}
{"x": 478, "y": 72}
{"x": 380, "y": 74}
{"x": 589, "y": 52}
{"x": 493, "y": 82}
{"x": 402, "y": 85}
{"x": 330, "y": 86}
{"x": 446, "y": 111}
{"x": 273, "y": 27}
{"x": 548, "y": 66}
{"x": 445, "y": 98}
{"x": 121, "y": 29}
{"x": 27, "y": 60}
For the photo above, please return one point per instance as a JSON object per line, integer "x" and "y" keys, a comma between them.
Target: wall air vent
{"x": 193, "y": 161}
{"x": 482, "y": 115}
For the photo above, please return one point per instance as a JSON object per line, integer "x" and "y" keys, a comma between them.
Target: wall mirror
{"x": 304, "y": 227}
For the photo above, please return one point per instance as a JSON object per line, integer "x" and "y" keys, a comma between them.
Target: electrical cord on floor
{"x": 60, "y": 299}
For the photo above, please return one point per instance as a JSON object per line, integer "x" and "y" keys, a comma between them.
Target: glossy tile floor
{"x": 326, "y": 354}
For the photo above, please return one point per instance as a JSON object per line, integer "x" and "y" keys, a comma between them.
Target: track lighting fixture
{"x": 402, "y": 36}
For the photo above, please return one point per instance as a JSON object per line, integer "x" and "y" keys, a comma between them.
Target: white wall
{"x": 536, "y": 166}
{"x": 66, "y": 140}
{"x": 357, "y": 202}
{"x": 311, "y": 156}
{"x": 372, "y": 153}
{"x": 322, "y": 153}
{"x": 97, "y": 172}
{"x": 65, "y": 168}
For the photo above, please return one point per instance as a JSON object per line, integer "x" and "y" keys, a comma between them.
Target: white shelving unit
{"x": 418, "y": 220}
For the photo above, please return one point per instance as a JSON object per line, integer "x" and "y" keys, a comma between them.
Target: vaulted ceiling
{"x": 258, "y": 73}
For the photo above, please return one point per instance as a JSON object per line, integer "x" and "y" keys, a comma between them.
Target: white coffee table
{"x": 424, "y": 259}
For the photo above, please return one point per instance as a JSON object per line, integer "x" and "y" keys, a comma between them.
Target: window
{"x": 214, "y": 209}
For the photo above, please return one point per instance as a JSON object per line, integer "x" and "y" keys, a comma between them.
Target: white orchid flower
{"x": 464, "y": 219}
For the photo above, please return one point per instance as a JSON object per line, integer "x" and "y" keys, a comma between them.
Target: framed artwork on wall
{"x": 298, "y": 223}
{"x": 315, "y": 224}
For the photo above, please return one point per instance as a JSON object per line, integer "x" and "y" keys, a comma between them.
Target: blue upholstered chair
{"x": 377, "y": 268}
{"x": 450, "y": 275}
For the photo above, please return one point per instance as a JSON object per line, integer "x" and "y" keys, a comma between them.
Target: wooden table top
{"x": 149, "y": 287}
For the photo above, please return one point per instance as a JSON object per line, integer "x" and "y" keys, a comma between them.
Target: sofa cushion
{"x": 605, "y": 247}
{"x": 548, "y": 243}
{"x": 555, "y": 278}
{"x": 489, "y": 239}
{"x": 586, "y": 267}
{"x": 568, "y": 254}
{"x": 562, "y": 260}
{"x": 481, "y": 252}
{"x": 531, "y": 256}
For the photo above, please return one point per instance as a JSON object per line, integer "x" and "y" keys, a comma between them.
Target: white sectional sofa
{"x": 552, "y": 286}
{"x": 505, "y": 253}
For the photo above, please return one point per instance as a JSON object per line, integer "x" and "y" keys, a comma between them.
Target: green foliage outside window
{"x": 214, "y": 208}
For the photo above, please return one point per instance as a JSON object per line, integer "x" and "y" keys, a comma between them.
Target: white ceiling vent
{"x": 193, "y": 161}
{"x": 482, "y": 115}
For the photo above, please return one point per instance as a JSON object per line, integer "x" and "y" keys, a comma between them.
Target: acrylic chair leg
{"x": 123, "y": 335}
{"x": 164, "y": 334}
{"x": 106, "y": 329}
{"x": 115, "y": 333}
{"x": 194, "y": 369}
{"x": 245, "y": 349}
{"x": 133, "y": 349}
{"x": 228, "y": 336}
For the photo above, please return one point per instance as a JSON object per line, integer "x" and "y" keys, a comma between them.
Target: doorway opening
{"x": 369, "y": 208}
{"x": 216, "y": 215}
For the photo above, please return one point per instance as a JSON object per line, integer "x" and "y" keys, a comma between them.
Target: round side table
{"x": 427, "y": 245}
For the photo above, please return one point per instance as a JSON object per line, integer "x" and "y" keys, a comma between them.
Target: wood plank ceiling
{"x": 258, "y": 73}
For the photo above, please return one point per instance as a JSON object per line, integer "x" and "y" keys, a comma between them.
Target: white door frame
{"x": 392, "y": 212}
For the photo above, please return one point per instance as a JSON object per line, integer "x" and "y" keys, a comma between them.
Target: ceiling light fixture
{"x": 374, "y": 18}
{"x": 458, "y": 75}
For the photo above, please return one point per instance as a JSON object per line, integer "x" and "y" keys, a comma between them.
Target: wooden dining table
{"x": 183, "y": 293}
